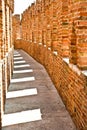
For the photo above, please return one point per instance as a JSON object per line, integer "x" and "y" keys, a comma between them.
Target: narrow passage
{"x": 32, "y": 101}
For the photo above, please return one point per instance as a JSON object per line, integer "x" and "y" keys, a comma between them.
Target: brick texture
{"x": 52, "y": 30}
{"x": 69, "y": 81}
{"x": 6, "y": 50}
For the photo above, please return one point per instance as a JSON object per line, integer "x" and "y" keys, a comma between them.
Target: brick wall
{"x": 61, "y": 25}
{"x": 6, "y": 50}
{"x": 68, "y": 79}
{"x": 54, "y": 32}
{"x": 16, "y": 27}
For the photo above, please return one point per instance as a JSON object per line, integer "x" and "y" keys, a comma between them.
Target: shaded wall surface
{"x": 54, "y": 32}
{"x": 6, "y": 50}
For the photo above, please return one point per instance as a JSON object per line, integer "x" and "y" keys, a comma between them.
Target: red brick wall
{"x": 60, "y": 26}
{"x": 6, "y": 50}
{"x": 16, "y": 27}
{"x": 69, "y": 81}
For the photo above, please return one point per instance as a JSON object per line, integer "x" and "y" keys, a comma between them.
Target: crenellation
{"x": 54, "y": 32}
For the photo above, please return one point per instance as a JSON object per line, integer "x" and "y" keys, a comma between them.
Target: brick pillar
{"x": 16, "y": 27}
{"x": 78, "y": 37}
{"x": 81, "y": 32}
{"x": 7, "y": 48}
{"x": 59, "y": 26}
{"x": 35, "y": 24}
{"x": 28, "y": 25}
{"x": 39, "y": 7}
{"x": 65, "y": 29}
{"x": 3, "y": 50}
{"x": 44, "y": 21}
{"x": 73, "y": 14}
{"x": 48, "y": 24}
{"x": 73, "y": 49}
{"x": 54, "y": 20}
{"x": 31, "y": 25}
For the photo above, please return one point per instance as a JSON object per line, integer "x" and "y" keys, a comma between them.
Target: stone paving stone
{"x": 53, "y": 112}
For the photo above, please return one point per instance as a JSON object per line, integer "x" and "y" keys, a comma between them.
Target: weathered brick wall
{"x": 61, "y": 25}
{"x": 16, "y": 27}
{"x": 68, "y": 79}
{"x": 52, "y": 30}
{"x": 6, "y": 50}
{"x": 77, "y": 31}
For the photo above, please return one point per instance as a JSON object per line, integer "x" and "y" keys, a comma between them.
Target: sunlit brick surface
{"x": 6, "y": 50}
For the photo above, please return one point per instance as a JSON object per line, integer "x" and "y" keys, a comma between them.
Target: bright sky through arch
{"x": 21, "y": 5}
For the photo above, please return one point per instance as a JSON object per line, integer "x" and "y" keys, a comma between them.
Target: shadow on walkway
{"x": 32, "y": 101}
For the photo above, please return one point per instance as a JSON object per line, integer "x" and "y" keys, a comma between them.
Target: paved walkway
{"x": 32, "y": 100}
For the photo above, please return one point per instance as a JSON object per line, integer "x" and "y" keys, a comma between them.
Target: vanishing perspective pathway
{"x": 32, "y": 102}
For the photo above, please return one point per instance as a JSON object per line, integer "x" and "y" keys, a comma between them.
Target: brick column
{"x": 54, "y": 20}
{"x": 48, "y": 24}
{"x": 35, "y": 24}
{"x": 16, "y": 27}
{"x": 59, "y": 26}
{"x": 81, "y": 32}
{"x": 44, "y": 21}
{"x": 3, "y": 47}
{"x": 39, "y": 7}
{"x": 65, "y": 28}
{"x": 73, "y": 14}
{"x": 78, "y": 37}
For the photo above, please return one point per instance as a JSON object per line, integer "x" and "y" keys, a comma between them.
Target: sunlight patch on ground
{"x": 17, "y": 55}
{"x": 21, "y": 93}
{"x": 18, "y": 58}
{"x": 21, "y": 117}
{"x": 22, "y": 79}
{"x": 18, "y": 62}
{"x": 16, "y": 52}
{"x": 20, "y": 66}
{"x": 22, "y": 71}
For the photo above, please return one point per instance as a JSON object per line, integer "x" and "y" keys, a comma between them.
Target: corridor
{"x": 32, "y": 102}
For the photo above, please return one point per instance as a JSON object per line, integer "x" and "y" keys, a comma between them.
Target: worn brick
{"x": 50, "y": 31}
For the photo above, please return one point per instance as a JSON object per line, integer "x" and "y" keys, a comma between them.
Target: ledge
{"x": 44, "y": 45}
{"x": 66, "y": 60}
{"x": 40, "y": 43}
{"x": 55, "y": 53}
{"x": 49, "y": 48}
{"x": 84, "y": 72}
{"x": 72, "y": 66}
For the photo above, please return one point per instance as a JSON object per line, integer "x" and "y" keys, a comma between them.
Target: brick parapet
{"x": 70, "y": 81}
{"x": 58, "y": 25}
{"x": 52, "y": 30}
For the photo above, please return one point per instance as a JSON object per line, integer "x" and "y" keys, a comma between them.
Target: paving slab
{"x": 33, "y": 102}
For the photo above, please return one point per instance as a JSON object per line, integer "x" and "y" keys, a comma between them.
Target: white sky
{"x": 21, "y": 5}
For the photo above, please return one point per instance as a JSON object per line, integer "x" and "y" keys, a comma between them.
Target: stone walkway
{"x": 32, "y": 100}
